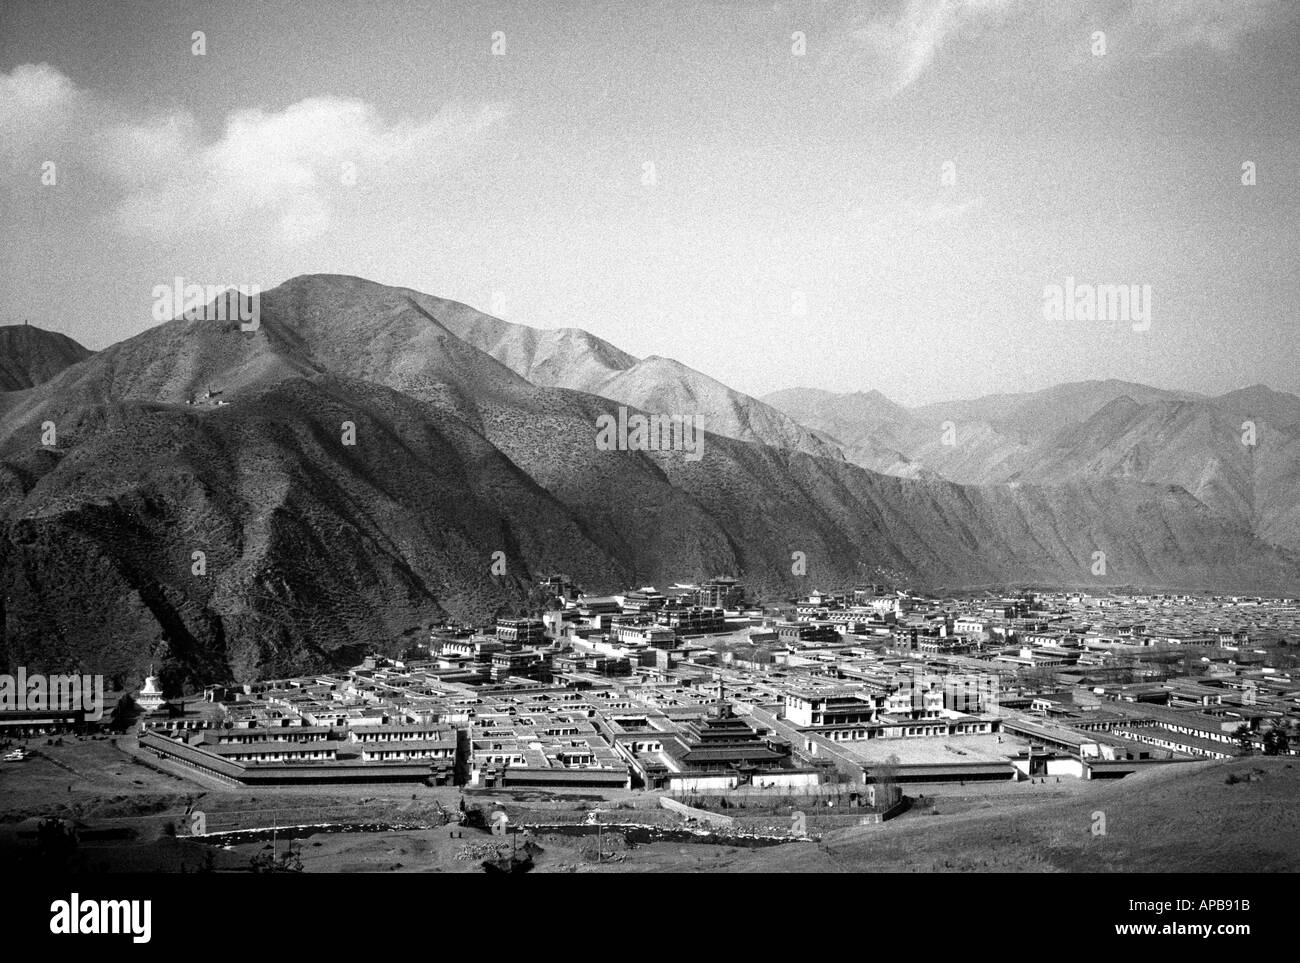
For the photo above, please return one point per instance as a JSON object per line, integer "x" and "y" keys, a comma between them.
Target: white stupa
{"x": 151, "y": 699}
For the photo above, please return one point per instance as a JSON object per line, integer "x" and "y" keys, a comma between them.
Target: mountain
{"x": 30, "y": 355}
{"x": 359, "y": 466}
{"x": 982, "y": 441}
{"x": 1034, "y": 415}
{"x": 866, "y": 426}
{"x": 1095, "y": 429}
{"x": 562, "y": 358}
{"x": 670, "y": 387}
{"x": 960, "y": 442}
{"x": 572, "y": 358}
{"x": 1260, "y": 401}
{"x": 847, "y": 416}
{"x": 1195, "y": 445}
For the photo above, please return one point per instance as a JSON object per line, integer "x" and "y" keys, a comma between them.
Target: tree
{"x": 1277, "y": 740}
{"x": 885, "y": 777}
{"x": 271, "y": 862}
{"x": 1037, "y": 677}
{"x": 56, "y": 843}
{"x": 1245, "y": 744}
{"x": 537, "y": 601}
{"x": 1192, "y": 664}
{"x": 125, "y": 713}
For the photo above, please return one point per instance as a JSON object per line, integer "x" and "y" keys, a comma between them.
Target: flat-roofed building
{"x": 401, "y": 732}
{"x": 645, "y": 599}
{"x": 800, "y": 633}
{"x": 261, "y": 752}
{"x": 693, "y": 620}
{"x": 720, "y": 592}
{"x": 252, "y": 736}
{"x": 527, "y": 663}
{"x": 538, "y": 748}
{"x": 521, "y": 631}
{"x": 830, "y": 707}
{"x": 442, "y": 749}
{"x": 645, "y": 633}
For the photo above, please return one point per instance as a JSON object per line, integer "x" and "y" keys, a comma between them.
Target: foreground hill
{"x": 369, "y": 462}
{"x": 1184, "y": 818}
{"x": 31, "y": 355}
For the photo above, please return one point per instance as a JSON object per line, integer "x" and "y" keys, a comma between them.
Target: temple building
{"x": 723, "y": 742}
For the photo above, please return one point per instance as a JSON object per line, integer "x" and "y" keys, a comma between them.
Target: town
{"x": 690, "y": 714}
{"x": 691, "y": 690}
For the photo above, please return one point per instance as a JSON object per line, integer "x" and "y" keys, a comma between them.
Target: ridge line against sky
{"x": 867, "y": 390}
{"x": 881, "y": 210}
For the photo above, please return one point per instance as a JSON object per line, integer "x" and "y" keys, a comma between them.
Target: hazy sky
{"x": 798, "y": 230}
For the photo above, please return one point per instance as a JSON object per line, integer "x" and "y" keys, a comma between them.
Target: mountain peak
{"x": 31, "y": 355}
{"x": 322, "y": 538}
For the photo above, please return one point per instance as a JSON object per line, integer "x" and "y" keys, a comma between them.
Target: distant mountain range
{"x": 1237, "y": 453}
{"x": 473, "y": 436}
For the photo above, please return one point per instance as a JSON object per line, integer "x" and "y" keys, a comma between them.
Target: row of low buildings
{"x": 679, "y": 691}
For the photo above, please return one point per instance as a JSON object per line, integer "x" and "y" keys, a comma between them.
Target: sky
{"x": 840, "y": 195}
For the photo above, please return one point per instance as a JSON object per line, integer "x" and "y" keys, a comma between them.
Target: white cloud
{"x": 910, "y": 40}
{"x": 891, "y": 45}
{"x": 291, "y": 168}
{"x": 1157, "y": 29}
{"x": 38, "y": 105}
{"x": 289, "y": 165}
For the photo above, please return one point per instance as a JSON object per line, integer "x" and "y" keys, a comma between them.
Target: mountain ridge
{"x": 316, "y": 546}
{"x": 31, "y": 355}
{"x": 1239, "y": 452}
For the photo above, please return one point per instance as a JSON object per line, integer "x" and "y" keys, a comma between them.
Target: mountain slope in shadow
{"x": 367, "y": 464}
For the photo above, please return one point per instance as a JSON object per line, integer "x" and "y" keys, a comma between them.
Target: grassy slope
{"x": 1168, "y": 819}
